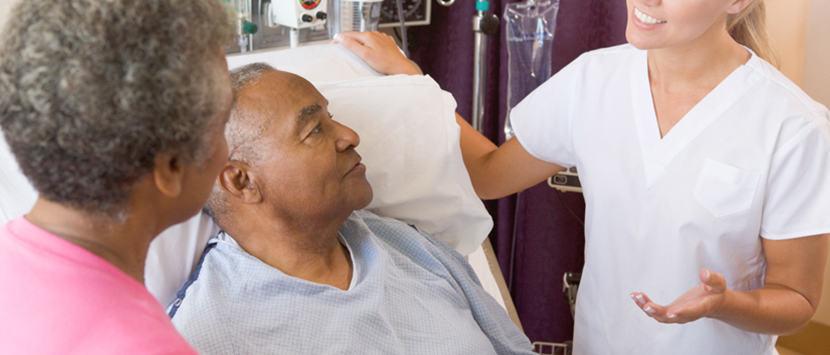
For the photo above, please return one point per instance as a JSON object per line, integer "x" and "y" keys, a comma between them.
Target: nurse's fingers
{"x": 712, "y": 281}
{"x": 378, "y": 50}
{"x": 651, "y": 309}
{"x": 688, "y": 312}
{"x": 369, "y": 38}
{"x": 701, "y": 301}
{"x": 660, "y": 313}
{"x": 379, "y": 42}
{"x": 351, "y": 44}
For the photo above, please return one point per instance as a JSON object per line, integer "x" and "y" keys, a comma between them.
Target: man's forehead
{"x": 282, "y": 96}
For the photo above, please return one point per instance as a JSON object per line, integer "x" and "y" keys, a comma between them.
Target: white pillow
{"x": 17, "y": 196}
{"x": 409, "y": 142}
{"x": 317, "y": 64}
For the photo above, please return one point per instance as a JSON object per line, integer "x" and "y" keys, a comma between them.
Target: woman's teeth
{"x": 646, "y": 18}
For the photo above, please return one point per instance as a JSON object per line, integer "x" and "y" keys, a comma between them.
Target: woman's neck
{"x": 704, "y": 61}
{"x": 123, "y": 244}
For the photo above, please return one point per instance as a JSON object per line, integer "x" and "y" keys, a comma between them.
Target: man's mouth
{"x": 357, "y": 165}
{"x": 646, "y": 18}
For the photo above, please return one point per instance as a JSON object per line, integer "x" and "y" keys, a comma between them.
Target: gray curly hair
{"x": 91, "y": 91}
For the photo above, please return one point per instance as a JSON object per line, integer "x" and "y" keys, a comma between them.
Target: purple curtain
{"x": 538, "y": 235}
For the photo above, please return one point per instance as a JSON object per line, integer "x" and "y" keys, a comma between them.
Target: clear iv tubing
{"x": 530, "y": 27}
{"x": 402, "y": 20}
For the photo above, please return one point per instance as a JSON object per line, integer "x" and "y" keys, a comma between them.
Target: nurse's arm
{"x": 500, "y": 171}
{"x": 784, "y": 305}
{"x": 791, "y": 291}
{"x": 495, "y": 171}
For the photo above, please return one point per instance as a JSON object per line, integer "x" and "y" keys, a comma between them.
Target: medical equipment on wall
{"x": 296, "y": 14}
{"x": 357, "y": 15}
{"x": 483, "y": 25}
{"x": 263, "y": 24}
{"x": 530, "y": 27}
{"x": 245, "y": 29}
{"x": 415, "y": 12}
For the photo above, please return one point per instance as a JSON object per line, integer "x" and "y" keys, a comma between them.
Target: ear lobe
{"x": 738, "y": 6}
{"x": 168, "y": 174}
{"x": 239, "y": 181}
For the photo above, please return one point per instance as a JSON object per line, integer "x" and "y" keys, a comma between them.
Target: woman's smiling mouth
{"x": 646, "y": 19}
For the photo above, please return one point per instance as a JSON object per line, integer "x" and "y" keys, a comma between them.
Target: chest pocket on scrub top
{"x": 724, "y": 189}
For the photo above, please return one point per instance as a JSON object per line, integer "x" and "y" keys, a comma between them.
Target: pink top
{"x": 58, "y": 298}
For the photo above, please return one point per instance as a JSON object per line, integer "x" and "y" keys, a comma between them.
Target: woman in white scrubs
{"x": 705, "y": 176}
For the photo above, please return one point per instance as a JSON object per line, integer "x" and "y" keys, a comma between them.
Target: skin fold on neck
{"x": 309, "y": 250}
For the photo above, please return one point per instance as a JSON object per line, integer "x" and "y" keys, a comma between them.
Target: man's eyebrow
{"x": 306, "y": 113}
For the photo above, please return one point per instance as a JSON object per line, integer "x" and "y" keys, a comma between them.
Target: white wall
{"x": 5, "y": 7}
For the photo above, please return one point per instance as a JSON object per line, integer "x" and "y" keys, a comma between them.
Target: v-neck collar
{"x": 659, "y": 152}
{"x": 356, "y": 264}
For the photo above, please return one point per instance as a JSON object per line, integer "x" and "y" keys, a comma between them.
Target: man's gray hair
{"x": 91, "y": 91}
{"x": 241, "y": 132}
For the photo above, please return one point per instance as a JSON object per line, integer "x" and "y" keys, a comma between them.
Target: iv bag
{"x": 530, "y": 26}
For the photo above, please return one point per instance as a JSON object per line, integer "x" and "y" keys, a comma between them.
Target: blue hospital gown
{"x": 410, "y": 294}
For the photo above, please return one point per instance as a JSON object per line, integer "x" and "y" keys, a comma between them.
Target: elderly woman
{"x": 115, "y": 112}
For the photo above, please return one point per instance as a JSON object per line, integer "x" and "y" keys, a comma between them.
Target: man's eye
{"x": 317, "y": 129}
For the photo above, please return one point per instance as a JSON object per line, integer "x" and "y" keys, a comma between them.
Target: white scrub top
{"x": 751, "y": 159}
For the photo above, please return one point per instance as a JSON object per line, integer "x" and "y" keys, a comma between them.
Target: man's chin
{"x": 367, "y": 196}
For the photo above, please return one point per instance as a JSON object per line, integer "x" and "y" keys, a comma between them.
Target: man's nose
{"x": 346, "y": 137}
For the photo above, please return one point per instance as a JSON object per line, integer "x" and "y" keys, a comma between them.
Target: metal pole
{"x": 483, "y": 25}
{"x": 479, "y": 67}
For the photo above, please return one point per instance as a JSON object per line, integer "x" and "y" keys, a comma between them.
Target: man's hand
{"x": 704, "y": 300}
{"x": 378, "y": 50}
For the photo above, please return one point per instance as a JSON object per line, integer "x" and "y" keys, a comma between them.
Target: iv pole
{"x": 483, "y": 25}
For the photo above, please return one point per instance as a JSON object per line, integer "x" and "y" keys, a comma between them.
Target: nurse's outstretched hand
{"x": 704, "y": 300}
{"x": 378, "y": 50}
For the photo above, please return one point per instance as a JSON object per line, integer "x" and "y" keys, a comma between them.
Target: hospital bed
{"x": 409, "y": 143}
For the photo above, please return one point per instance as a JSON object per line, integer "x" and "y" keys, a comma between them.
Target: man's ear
{"x": 168, "y": 174}
{"x": 239, "y": 181}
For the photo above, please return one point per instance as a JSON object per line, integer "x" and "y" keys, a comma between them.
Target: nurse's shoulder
{"x": 594, "y": 70}
{"x": 785, "y": 98}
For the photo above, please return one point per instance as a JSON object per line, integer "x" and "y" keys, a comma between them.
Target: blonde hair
{"x": 748, "y": 28}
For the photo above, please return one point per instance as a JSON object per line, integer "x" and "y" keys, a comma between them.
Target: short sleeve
{"x": 797, "y": 202}
{"x": 543, "y": 120}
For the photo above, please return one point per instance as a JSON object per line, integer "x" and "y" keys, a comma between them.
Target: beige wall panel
{"x": 817, "y": 84}
{"x": 787, "y": 25}
{"x": 817, "y": 61}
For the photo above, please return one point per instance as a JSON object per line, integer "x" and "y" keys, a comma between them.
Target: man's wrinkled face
{"x": 307, "y": 165}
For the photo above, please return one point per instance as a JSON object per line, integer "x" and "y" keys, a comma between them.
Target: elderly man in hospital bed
{"x": 299, "y": 268}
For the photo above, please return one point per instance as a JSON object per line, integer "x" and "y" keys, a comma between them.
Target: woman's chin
{"x": 637, "y": 41}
